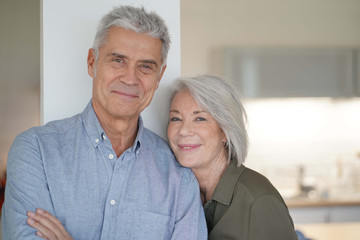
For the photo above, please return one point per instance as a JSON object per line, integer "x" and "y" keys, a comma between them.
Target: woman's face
{"x": 194, "y": 136}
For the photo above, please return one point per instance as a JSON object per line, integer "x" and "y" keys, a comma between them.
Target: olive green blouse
{"x": 246, "y": 206}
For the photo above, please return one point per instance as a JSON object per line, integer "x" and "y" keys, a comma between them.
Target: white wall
{"x": 68, "y": 30}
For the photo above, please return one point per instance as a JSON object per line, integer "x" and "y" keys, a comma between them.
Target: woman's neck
{"x": 209, "y": 177}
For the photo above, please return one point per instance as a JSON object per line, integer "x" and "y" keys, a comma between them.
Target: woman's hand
{"x": 48, "y": 226}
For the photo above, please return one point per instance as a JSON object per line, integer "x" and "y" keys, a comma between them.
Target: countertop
{"x": 331, "y": 231}
{"x": 302, "y": 202}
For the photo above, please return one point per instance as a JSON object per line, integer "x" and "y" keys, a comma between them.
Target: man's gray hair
{"x": 221, "y": 99}
{"x": 136, "y": 19}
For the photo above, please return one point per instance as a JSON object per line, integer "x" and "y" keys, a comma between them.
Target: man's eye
{"x": 146, "y": 66}
{"x": 119, "y": 60}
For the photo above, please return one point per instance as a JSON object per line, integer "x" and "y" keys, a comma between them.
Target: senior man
{"x": 101, "y": 173}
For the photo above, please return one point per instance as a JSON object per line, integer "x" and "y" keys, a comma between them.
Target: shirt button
{"x": 104, "y": 137}
{"x": 112, "y": 202}
{"x": 111, "y": 156}
{"x": 97, "y": 140}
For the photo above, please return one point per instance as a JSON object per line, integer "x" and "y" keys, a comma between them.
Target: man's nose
{"x": 129, "y": 76}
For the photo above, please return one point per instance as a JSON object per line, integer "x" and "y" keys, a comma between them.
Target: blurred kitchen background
{"x": 297, "y": 64}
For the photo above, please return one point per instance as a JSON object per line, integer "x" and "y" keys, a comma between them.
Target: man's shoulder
{"x": 53, "y": 127}
{"x": 152, "y": 140}
{"x": 161, "y": 149}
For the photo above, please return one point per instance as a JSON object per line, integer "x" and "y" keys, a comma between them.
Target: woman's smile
{"x": 189, "y": 147}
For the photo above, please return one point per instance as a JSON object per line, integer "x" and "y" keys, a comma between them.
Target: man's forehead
{"x": 116, "y": 30}
{"x": 122, "y": 40}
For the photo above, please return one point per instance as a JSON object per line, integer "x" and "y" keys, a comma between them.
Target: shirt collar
{"x": 139, "y": 138}
{"x": 225, "y": 189}
{"x": 92, "y": 125}
{"x": 97, "y": 134}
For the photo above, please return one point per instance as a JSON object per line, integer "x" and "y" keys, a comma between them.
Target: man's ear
{"x": 91, "y": 62}
{"x": 161, "y": 75}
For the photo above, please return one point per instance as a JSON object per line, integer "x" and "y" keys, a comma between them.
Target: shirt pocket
{"x": 149, "y": 225}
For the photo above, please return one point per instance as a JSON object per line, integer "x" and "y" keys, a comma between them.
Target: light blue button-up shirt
{"x": 68, "y": 167}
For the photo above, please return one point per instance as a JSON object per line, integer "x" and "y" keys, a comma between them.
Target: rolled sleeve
{"x": 26, "y": 188}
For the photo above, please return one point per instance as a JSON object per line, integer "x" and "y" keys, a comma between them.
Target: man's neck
{"x": 121, "y": 132}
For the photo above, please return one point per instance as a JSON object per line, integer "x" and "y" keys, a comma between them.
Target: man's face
{"x": 128, "y": 72}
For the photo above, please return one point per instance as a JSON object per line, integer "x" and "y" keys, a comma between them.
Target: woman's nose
{"x": 186, "y": 129}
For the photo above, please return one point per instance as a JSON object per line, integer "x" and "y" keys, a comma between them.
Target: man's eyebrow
{"x": 174, "y": 111}
{"x": 114, "y": 54}
{"x": 119, "y": 55}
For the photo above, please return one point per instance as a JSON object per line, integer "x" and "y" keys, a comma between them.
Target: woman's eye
{"x": 200, "y": 119}
{"x": 174, "y": 119}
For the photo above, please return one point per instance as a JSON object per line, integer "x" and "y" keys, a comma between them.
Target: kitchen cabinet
{"x": 294, "y": 72}
{"x": 325, "y": 214}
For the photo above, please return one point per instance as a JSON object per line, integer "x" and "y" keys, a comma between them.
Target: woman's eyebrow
{"x": 174, "y": 111}
{"x": 200, "y": 111}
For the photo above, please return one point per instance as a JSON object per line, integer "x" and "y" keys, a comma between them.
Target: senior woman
{"x": 206, "y": 132}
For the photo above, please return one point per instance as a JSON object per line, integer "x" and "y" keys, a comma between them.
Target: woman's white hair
{"x": 136, "y": 19}
{"x": 221, "y": 99}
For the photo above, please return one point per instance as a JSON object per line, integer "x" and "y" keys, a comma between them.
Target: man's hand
{"x": 48, "y": 226}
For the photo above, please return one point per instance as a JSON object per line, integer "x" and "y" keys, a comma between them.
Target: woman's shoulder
{"x": 256, "y": 185}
